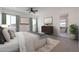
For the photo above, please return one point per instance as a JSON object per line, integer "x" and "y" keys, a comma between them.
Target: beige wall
{"x": 24, "y": 24}
{"x": 73, "y": 17}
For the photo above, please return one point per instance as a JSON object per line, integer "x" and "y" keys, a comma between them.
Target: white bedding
{"x": 20, "y": 42}
{"x": 23, "y": 42}
{"x": 29, "y": 42}
{"x": 26, "y": 41}
{"x": 11, "y": 46}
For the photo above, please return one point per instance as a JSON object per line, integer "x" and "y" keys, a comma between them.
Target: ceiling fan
{"x": 32, "y": 10}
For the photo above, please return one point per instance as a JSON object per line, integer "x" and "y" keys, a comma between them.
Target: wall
{"x": 56, "y": 12}
{"x": 24, "y": 24}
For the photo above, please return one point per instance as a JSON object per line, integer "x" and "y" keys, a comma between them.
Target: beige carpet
{"x": 51, "y": 44}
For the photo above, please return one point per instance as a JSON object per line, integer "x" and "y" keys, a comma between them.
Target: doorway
{"x": 63, "y": 25}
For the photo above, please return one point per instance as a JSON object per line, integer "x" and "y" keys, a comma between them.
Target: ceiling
{"x": 44, "y": 11}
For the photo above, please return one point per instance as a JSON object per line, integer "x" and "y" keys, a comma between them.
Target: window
{"x": 11, "y": 22}
{"x": 34, "y": 25}
{"x": 13, "y": 19}
{"x": 63, "y": 24}
{"x": 8, "y": 20}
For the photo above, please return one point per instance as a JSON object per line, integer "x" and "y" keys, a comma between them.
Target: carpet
{"x": 51, "y": 44}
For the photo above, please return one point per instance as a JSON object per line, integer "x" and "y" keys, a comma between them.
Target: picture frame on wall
{"x": 48, "y": 21}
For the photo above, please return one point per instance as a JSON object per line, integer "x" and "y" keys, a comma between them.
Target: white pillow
{"x": 6, "y": 34}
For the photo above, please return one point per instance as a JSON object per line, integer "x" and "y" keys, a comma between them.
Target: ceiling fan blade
{"x": 31, "y": 10}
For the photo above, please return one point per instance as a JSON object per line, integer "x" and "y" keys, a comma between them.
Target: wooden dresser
{"x": 47, "y": 30}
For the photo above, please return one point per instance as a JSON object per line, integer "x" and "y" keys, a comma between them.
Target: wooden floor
{"x": 65, "y": 45}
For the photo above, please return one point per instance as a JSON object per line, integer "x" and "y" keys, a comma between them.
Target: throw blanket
{"x": 26, "y": 41}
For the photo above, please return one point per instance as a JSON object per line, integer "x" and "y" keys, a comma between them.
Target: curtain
{"x": 3, "y": 18}
{"x": 17, "y": 23}
{"x": 30, "y": 20}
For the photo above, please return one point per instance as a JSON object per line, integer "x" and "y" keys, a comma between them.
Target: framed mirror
{"x": 48, "y": 21}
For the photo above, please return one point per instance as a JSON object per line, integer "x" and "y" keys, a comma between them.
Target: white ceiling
{"x": 44, "y": 11}
{"x": 19, "y": 9}
{"x": 50, "y": 11}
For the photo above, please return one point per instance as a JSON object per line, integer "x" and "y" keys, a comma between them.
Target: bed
{"x": 11, "y": 46}
{"x": 28, "y": 42}
{"x": 18, "y": 43}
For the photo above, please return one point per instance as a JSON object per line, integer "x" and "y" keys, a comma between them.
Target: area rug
{"x": 49, "y": 47}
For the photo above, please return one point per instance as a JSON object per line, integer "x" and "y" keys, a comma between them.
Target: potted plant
{"x": 73, "y": 31}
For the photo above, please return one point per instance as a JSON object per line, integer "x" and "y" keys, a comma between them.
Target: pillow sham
{"x": 6, "y": 34}
{"x": 2, "y": 38}
{"x": 12, "y": 34}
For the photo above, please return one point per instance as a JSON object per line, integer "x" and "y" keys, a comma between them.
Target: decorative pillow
{"x": 6, "y": 34}
{"x": 2, "y": 38}
{"x": 12, "y": 34}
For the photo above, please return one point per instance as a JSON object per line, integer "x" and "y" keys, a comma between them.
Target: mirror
{"x": 48, "y": 21}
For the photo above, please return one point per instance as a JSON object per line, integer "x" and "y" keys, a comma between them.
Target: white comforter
{"x": 23, "y": 42}
{"x": 26, "y": 41}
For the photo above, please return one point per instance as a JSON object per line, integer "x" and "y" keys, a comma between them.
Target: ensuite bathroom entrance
{"x": 63, "y": 25}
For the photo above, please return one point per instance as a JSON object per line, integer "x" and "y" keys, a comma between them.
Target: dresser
{"x": 47, "y": 30}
